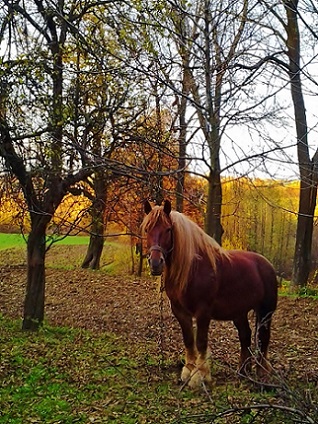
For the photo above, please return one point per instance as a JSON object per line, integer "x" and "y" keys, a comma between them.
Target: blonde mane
{"x": 189, "y": 242}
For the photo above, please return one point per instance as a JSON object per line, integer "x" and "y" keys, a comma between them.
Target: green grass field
{"x": 7, "y": 241}
{"x": 116, "y": 257}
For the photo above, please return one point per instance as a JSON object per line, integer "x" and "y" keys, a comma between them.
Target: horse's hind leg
{"x": 245, "y": 334}
{"x": 263, "y": 333}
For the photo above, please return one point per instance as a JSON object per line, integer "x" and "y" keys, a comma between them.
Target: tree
{"x": 41, "y": 141}
{"x": 107, "y": 102}
{"x": 204, "y": 42}
{"x": 291, "y": 64}
{"x": 308, "y": 167}
{"x": 182, "y": 35}
{"x": 39, "y": 169}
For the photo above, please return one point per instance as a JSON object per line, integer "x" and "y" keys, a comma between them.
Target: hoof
{"x": 245, "y": 368}
{"x": 185, "y": 374}
{"x": 263, "y": 371}
{"x": 196, "y": 379}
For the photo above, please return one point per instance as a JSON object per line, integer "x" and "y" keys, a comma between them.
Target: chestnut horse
{"x": 203, "y": 281}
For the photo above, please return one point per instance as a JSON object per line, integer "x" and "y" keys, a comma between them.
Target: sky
{"x": 280, "y": 137}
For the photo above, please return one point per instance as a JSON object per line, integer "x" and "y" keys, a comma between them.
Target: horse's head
{"x": 158, "y": 229}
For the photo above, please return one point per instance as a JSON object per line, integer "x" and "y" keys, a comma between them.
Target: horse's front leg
{"x": 202, "y": 372}
{"x": 188, "y": 333}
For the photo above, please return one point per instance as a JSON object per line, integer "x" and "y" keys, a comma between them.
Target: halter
{"x": 157, "y": 248}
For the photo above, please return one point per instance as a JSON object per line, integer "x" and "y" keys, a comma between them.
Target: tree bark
{"x": 97, "y": 231}
{"x": 307, "y": 167}
{"x": 181, "y": 157}
{"x": 304, "y": 232}
{"x": 35, "y": 290}
{"x": 213, "y": 225}
{"x": 95, "y": 249}
{"x": 141, "y": 258}
{"x": 96, "y": 242}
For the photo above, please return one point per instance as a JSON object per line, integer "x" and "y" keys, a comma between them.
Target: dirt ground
{"x": 135, "y": 311}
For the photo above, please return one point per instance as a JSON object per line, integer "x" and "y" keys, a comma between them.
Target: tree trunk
{"x": 182, "y": 142}
{"x": 307, "y": 167}
{"x": 94, "y": 251}
{"x": 141, "y": 258}
{"x": 35, "y": 290}
{"x": 180, "y": 176}
{"x": 304, "y": 232}
{"x": 213, "y": 225}
{"x": 96, "y": 242}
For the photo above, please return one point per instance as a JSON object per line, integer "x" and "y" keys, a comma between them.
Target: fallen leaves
{"x": 134, "y": 311}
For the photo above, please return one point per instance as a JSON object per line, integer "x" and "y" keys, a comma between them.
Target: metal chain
{"x": 161, "y": 323}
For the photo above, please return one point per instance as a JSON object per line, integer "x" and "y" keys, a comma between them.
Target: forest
{"x": 257, "y": 215}
{"x": 207, "y": 103}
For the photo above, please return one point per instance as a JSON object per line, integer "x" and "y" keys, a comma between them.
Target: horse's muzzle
{"x": 156, "y": 273}
{"x": 156, "y": 264}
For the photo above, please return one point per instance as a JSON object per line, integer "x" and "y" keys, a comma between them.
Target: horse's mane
{"x": 189, "y": 242}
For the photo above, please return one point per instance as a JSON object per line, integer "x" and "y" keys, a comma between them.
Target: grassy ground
{"x": 116, "y": 256}
{"x": 8, "y": 241}
{"x": 62, "y": 375}
{"x": 71, "y": 375}
{"x": 68, "y": 376}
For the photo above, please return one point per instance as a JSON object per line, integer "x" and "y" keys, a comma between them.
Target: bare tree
{"x": 203, "y": 43}
{"x": 107, "y": 104}
{"x": 291, "y": 64}
{"x": 308, "y": 167}
{"x": 218, "y": 39}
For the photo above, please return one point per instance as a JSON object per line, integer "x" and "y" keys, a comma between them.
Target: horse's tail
{"x": 266, "y": 309}
{"x": 270, "y": 286}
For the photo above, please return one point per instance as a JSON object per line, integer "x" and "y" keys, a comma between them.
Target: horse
{"x": 205, "y": 282}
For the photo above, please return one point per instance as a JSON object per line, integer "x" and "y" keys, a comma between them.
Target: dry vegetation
{"x": 132, "y": 309}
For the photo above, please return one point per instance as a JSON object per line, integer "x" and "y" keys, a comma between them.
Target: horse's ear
{"x": 167, "y": 207}
{"x": 147, "y": 207}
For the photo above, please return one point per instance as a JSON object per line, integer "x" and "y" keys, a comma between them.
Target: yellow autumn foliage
{"x": 258, "y": 215}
